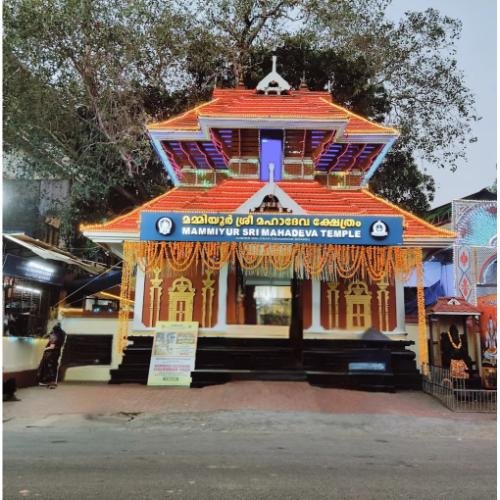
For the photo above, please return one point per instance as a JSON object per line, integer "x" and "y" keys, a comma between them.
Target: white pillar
{"x": 140, "y": 279}
{"x": 400, "y": 306}
{"x": 315, "y": 307}
{"x": 222, "y": 300}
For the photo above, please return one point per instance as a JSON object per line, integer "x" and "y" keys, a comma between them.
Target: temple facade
{"x": 270, "y": 230}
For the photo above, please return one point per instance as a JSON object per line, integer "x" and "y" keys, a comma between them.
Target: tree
{"x": 242, "y": 24}
{"x": 81, "y": 78}
{"x": 400, "y": 181}
{"x": 415, "y": 61}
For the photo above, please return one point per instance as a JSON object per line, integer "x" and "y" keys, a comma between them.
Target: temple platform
{"x": 355, "y": 364}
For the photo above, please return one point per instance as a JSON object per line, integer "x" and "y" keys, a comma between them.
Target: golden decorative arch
{"x": 358, "y": 305}
{"x": 207, "y": 295}
{"x": 333, "y": 305}
{"x": 155, "y": 292}
{"x": 383, "y": 304}
{"x": 180, "y": 300}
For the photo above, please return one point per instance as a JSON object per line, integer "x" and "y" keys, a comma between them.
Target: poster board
{"x": 488, "y": 328}
{"x": 174, "y": 353}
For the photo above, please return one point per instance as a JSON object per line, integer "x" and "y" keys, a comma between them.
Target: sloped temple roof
{"x": 214, "y": 133}
{"x": 311, "y": 196}
{"x": 247, "y": 104}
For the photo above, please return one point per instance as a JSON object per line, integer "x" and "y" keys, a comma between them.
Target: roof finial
{"x": 303, "y": 84}
{"x": 273, "y": 82}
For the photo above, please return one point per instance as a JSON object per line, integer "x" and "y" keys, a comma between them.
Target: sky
{"x": 477, "y": 58}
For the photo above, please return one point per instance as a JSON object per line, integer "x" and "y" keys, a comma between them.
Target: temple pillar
{"x": 221, "y": 324}
{"x": 315, "y": 307}
{"x": 400, "y": 304}
{"x": 140, "y": 282}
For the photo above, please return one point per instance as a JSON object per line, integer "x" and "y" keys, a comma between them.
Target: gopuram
{"x": 273, "y": 243}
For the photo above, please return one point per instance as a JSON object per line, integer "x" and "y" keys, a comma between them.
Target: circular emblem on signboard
{"x": 165, "y": 226}
{"x": 379, "y": 230}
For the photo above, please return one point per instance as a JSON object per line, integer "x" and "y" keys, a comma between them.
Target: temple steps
{"x": 323, "y": 363}
{"x": 205, "y": 377}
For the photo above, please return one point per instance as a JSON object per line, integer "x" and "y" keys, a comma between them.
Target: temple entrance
{"x": 273, "y": 304}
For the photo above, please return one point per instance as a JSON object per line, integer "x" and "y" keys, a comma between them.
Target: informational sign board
{"x": 272, "y": 228}
{"x": 174, "y": 353}
{"x": 33, "y": 269}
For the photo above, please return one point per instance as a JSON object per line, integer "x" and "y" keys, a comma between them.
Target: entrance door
{"x": 271, "y": 151}
{"x": 273, "y": 305}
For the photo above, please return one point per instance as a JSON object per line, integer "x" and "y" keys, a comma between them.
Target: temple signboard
{"x": 272, "y": 228}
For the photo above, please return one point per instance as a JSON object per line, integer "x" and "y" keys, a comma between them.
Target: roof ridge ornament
{"x": 273, "y": 82}
{"x": 303, "y": 84}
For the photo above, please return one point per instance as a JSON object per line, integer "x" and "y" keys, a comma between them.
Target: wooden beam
{"x": 322, "y": 146}
{"x": 355, "y": 157}
{"x": 304, "y": 142}
{"x": 220, "y": 146}
{"x": 172, "y": 157}
{"x": 190, "y": 159}
{"x": 207, "y": 158}
{"x": 343, "y": 151}
{"x": 372, "y": 156}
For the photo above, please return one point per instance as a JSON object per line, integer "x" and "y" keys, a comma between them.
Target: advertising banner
{"x": 174, "y": 353}
{"x": 272, "y": 228}
{"x": 488, "y": 327}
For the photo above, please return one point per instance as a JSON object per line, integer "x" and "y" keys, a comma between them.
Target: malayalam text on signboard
{"x": 272, "y": 228}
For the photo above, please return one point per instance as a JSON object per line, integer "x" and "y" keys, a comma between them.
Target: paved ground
{"x": 245, "y": 440}
{"x": 274, "y": 396}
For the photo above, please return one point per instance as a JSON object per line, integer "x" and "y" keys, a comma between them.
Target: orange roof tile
{"x": 453, "y": 305}
{"x": 313, "y": 197}
{"x": 299, "y": 104}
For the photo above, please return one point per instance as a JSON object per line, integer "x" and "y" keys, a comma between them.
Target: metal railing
{"x": 455, "y": 393}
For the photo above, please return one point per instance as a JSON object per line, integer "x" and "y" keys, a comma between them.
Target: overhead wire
{"x": 84, "y": 285}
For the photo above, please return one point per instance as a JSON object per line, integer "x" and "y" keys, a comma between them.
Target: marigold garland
{"x": 344, "y": 261}
{"x": 129, "y": 259}
{"x": 327, "y": 262}
{"x": 422, "y": 329}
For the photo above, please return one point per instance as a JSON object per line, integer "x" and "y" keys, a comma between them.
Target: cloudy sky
{"x": 476, "y": 54}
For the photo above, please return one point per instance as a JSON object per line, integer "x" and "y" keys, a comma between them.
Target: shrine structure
{"x": 271, "y": 239}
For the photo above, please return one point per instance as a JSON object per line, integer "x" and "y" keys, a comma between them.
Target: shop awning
{"x": 46, "y": 251}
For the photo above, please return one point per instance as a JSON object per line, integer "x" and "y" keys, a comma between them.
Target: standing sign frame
{"x": 174, "y": 353}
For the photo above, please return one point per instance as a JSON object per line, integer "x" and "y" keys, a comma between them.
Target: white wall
{"x": 412, "y": 334}
{"x": 22, "y": 353}
{"x": 92, "y": 326}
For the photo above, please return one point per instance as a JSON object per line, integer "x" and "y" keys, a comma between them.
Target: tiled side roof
{"x": 311, "y": 196}
{"x": 172, "y": 200}
{"x": 315, "y": 198}
{"x": 242, "y": 103}
{"x": 442, "y": 306}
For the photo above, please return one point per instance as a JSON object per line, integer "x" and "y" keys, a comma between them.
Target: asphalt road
{"x": 249, "y": 455}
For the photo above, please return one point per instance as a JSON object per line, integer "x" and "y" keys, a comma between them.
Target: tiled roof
{"x": 299, "y": 104}
{"x": 452, "y": 305}
{"x": 310, "y": 195}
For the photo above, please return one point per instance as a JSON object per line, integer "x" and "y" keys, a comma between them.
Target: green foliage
{"x": 400, "y": 181}
{"x": 81, "y": 78}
